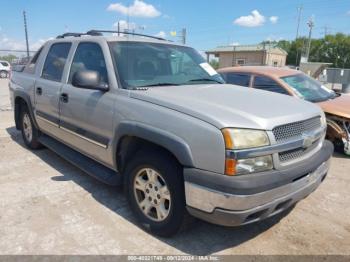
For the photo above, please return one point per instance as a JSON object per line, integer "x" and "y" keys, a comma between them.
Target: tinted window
{"x": 265, "y": 83}
{"x": 237, "y": 79}
{"x": 4, "y": 63}
{"x": 30, "y": 67}
{"x": 55, "y": 61}
{"x": 89, "y": 56}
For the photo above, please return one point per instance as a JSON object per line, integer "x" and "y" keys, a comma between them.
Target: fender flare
{"x": 26, "y": 98}
{"x": 176, "y": 145}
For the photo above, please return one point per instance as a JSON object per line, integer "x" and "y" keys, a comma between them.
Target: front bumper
{"x": 235, "y": 206}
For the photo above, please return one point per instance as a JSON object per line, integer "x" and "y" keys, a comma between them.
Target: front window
{"x": 141, "y": 64}
{"x": 308, "y": 88}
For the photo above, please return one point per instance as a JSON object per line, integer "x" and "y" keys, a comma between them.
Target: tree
{"x": 333, "y": 49}
{"x": 8, "y": 58}
{"x": 214, "y": 63}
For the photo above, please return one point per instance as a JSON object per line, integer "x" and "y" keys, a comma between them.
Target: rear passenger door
{"x": 268, "y": 84}
{"x": 48, "y": 86}
{"x": 86, "y": 115}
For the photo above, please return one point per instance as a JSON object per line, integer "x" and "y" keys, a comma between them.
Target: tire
{"x": 163, "y": 177}
{"x": 3, "y": 74}
{"x": 339, "y": 146}
{"x": 30, "y": 133}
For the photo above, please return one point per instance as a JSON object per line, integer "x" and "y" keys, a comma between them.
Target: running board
{"x": 88, "y": 165}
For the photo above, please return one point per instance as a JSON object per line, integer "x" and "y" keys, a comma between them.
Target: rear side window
{"x": 237, "y": 79}
{"x": 265, "y": 83}
{"x": 89, "y": 56}
{"x": 55, "y": 61}
{"x": 4, "y": 63}
{"x": 30, "y": 67}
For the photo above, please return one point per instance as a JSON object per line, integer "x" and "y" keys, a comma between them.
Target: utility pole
{"x": 183, "y": 35}
{"x": 300, "y": 9}
{"x": 311, "y": 24}
{"x": 26, "y": 32}
{"x": 118, "y": 28}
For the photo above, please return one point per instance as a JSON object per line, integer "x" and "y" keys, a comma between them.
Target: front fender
{"x": 176, "y": 145}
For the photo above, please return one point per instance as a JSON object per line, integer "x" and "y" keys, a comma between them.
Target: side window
{"x": 30, "y": 67}
{"x": 238, "y": 79}
{"x": 265, "y": 83}
{"x": 55, "y": 61}
{"x": 89, "y": 56}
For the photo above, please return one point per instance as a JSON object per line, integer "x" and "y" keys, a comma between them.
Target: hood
{"x": 230, "y": 106}
{"x": 339, "y": 106}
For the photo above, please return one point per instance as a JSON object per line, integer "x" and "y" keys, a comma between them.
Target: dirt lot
{"x": 47, "y": 206}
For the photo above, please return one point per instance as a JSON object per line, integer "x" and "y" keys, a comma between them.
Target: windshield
{"x": 308, "y": 88}
{"x": 141, "y": 64}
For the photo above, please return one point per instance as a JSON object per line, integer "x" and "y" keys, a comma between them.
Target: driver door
{"x": 86, "y": 116}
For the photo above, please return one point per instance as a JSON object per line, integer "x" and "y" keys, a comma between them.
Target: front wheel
{"x": 3, "y": 74}
{"x": 155, "y": 190}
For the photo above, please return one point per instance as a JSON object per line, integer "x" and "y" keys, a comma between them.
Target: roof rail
{"x": 79, "y": 34}
{"x": 95, "y": 32}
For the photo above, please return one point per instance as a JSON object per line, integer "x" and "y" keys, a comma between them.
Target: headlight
{"x": 244, "y": 138}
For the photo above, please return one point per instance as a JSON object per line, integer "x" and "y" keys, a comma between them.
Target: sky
{"x": 209, "y": 23}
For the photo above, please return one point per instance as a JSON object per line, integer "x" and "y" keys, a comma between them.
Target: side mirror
{"x": 89, "y": 79}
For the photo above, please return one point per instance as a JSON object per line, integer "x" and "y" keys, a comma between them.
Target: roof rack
{"x": 99, "y": 33}
{"x": 78, "y": 34}
{"x": 94, "y": 32}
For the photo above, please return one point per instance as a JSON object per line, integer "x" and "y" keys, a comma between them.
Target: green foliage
{"x": 8, "y": 58}
{"x": 333, "y": 49}
{"x": 214, "y": 63}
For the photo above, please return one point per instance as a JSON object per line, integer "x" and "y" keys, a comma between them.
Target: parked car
{"x": 295, "y": 83}
{"x": 5, "y": 69}
{"x": 153, "y": 116}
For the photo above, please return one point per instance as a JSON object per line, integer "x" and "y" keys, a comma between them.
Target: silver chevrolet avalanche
{"x": 153, "y": 116}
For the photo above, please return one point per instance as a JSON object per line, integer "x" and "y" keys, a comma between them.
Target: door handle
{"x": 39, "y": 91}
{"x": 64, "y": 97}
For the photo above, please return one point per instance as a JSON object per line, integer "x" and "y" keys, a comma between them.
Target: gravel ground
{"x": 48, "y": 206}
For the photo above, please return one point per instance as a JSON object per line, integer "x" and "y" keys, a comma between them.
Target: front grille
{"x": 297, "y": 152}
{"x": 296, "y": 129}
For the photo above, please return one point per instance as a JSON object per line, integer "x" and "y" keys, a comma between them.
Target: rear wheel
{"x": 155, "y": 190}
{"x": 30, "y": 133}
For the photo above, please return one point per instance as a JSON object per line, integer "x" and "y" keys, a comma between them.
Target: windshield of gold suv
{"x": 308, "y": 88}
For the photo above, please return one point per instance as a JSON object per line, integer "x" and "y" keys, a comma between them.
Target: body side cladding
{"x": 176, "y": 145}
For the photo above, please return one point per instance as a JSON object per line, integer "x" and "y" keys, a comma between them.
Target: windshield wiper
{"x": 157, "y": 84}
{"x": 204, "y": 79}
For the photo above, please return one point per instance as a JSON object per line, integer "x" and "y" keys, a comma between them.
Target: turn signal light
{"x": 230, "y": 167}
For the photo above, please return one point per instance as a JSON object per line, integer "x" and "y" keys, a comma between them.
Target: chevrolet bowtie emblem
{"x": 308, "y": 139}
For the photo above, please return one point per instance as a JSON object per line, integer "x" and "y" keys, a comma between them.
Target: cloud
{"x": 348, "y": 12}
{"x": 13, "y": 44}
{"x": 161, "y": 34}
{"x": 273, "y": 19}
{"x": 235, "y": 43}
{"x": 253, "y": 20}
{"x": 137, "y": 9}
